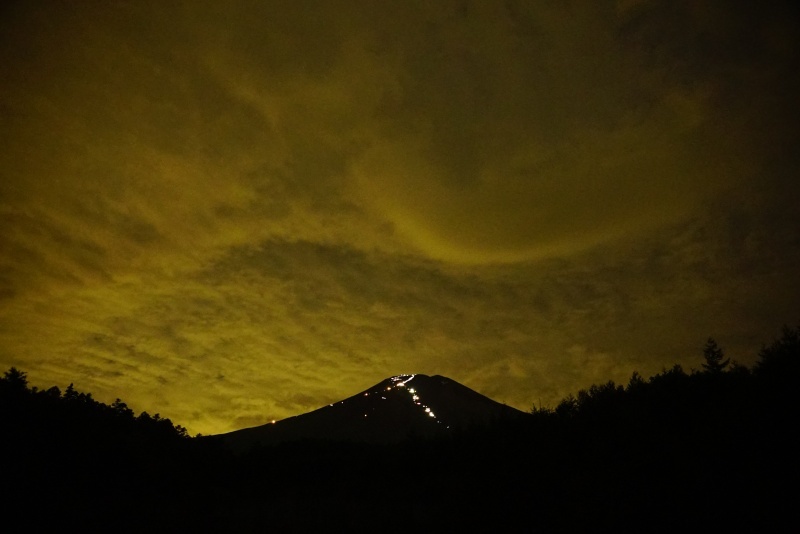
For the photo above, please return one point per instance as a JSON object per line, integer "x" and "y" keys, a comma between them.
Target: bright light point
{"x": 427, "y": 409}
{"x": 273, "y": 421}
{"x": 431, "y": 414}
{"x": 412, "y": 390}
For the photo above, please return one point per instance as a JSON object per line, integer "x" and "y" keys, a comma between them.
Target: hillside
{"x": 676, "y": 452}
{"x": 398, "y": 408}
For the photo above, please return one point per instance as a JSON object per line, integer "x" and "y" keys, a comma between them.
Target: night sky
{"x": 234, "y": 212}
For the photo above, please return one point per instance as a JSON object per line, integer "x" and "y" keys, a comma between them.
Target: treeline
{"x": 32, "y": 411}
{"x": 719, "y": 386}
{"x": 713, "y": 449}
{"x": 70, "y": 460}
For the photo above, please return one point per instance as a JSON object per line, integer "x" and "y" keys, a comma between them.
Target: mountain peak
{"x": 397, "y": 408}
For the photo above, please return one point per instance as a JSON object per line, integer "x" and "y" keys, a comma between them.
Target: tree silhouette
{"x": 15, "y": 380}
{"x": 714, "y": 355}
{"x": 655, "y": 456}
{"x": 782, "y": 356}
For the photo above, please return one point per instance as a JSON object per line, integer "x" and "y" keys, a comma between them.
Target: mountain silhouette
{"x": 398, "y": 408}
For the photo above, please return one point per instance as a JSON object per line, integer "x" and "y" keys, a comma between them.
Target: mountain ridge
{"x": 401, "y": 407}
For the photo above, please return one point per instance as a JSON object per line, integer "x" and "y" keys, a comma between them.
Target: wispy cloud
{"x": 232, "y": 214}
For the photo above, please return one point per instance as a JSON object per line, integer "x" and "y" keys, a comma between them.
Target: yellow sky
{"x": 235, "y": 212}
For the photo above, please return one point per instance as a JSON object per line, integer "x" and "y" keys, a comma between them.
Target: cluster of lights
{"x": 400, "y": 381}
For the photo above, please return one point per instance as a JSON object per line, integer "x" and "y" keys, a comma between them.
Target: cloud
{"x": 304, "y": 199}
{"x": 504, "y": 141}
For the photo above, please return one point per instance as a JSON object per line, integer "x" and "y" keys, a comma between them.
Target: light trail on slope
{"x": 400, "y": 382}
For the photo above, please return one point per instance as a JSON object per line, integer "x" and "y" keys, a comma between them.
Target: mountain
{"x": 398, "y": 408}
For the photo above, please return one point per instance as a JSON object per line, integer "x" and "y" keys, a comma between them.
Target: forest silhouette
{"x": 712, "y": 449}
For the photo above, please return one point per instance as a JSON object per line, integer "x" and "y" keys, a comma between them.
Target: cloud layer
{"x": 236, "y": 213}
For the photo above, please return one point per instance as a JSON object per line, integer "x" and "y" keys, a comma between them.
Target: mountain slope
{"x": 398, "y": 408}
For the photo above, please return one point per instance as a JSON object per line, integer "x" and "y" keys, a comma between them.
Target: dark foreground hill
{"x": 399, "y": 408}
{"x": 706, "y": 451}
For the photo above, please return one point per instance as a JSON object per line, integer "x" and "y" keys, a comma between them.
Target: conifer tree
{"x": 714, "y": 355}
